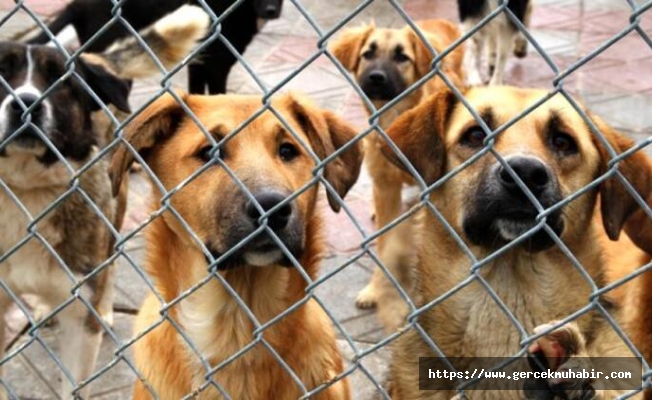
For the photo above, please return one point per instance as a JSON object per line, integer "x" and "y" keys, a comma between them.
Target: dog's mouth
{"x": 28, "y": 139}
{"x": 502, "y": 228}
{"x": 380, "y": 92}
{"x": 257, "y": 253}
{"x": 264, "y": 254}
{"x": 512, "y": 225}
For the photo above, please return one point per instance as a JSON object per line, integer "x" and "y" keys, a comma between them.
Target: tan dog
{"x": 385, "y": 62}
{"x": 272, "y": 165}
{"x": 635, "y": 296}
{"x": 553, "y": 152}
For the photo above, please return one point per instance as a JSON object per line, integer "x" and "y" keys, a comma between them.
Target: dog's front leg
{"x": 387, "y": 205}
{"x": 504, "y": 46}
{"x": 472, "y": 61}
{"x": 80, "y": 339}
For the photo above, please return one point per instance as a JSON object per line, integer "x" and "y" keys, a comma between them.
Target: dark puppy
{"x": 214, "y": 63}
{"x": 500, "y": 36}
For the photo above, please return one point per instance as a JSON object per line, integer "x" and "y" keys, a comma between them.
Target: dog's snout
{"x": 534, "y": 174}
{"x": 378, "y": 76}
{"x": 28, "y": 99}
{"x": 271, "y": 11}
{"x": 268, "y": 200}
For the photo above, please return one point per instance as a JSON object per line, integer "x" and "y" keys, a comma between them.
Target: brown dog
{"x": 272, "y": 165}
{"x": 635, "y": 295}
{"x": 554, "y": 154}
{"x": 385, "y": 62}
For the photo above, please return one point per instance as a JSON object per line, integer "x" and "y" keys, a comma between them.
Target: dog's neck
{"x": 177, "y": 266}
{"x": 535, "y": 287}
{"x": 387, "y": 118}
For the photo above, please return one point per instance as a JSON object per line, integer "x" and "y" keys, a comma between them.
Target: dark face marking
{"x": 382, "y": 80}
{"x": 268, "y": 9}
{"x": 500, "y": 211}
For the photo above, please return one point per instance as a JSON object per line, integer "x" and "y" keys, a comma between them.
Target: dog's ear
{"x": 347, "y": 46}
{"x": 422, "y": 56}
{"x": 419, "y": 134}
{"x": 110, "y": 88}
{"x": 156, "y": 123}
{"x": 447, "y": 33}
{"x": 327, "y": 134}
{"x": 618, "y": 207}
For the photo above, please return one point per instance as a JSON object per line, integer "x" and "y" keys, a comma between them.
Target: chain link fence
{"x": 116, "y": 358}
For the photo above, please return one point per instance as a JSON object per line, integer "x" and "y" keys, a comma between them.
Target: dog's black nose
{"x": 271, "y": 11}
{"x": 28, "y": 100}
{"x": 377, "y": 76}
{"x": 268, "y": 200}
{"x": 532, "y": 172}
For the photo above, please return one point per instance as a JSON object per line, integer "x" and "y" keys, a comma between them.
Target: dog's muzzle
{"x": 268, "y": 9}
{"x": 262, "y": 250}
{"x": 382, "y": 82}
{"x": 502, "y": 212}
{"x": 12, "y": 113}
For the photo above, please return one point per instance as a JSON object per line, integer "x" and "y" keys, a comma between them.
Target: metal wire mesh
{"x": 35, "y": 333}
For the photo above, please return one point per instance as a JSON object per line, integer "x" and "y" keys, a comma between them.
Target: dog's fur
{"x": 497, "y": 39}
{"x": 38, "y": 158}
{"x": 222, "y": 216}
{"x": 635, "y": 296}
{"x": 402, "y": 59}
{"x": 210, "y": 70}
{"x": 555, "y": 154}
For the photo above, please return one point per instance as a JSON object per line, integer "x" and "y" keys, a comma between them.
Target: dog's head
{"x": 268, "y": 161}
{"x": 552, "y": 151}
{"x": 385, "y": 61}
{"x": 44, "y": 103}
{"x": 268, "y": 9}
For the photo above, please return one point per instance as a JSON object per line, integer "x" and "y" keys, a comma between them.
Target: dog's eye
{"x": 401, "y": 58}
{"x": 206, "y": 153}
{"x": 473, "y": 137}
{"x": 368, "y": 55}
{"x": 563, "y": 143}
{"x": 288, "y": 152}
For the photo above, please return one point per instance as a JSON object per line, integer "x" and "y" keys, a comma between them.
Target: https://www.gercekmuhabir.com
{"x": 518, "y": 375}
{"x": 515, "y": 374}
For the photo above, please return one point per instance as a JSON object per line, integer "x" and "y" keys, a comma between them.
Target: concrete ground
{"x": 616, "y": 84}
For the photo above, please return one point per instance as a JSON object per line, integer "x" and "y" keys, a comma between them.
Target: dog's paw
{"x": 561, "y": 350}
{"x": 520, "y": 47}
{"x": 367, "y": 298}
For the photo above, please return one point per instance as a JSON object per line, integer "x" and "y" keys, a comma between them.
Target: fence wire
{"x": 35, "y": 334}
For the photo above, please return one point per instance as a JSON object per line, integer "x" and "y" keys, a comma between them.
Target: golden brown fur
{"x": 211, "y": 205}
{"x": 635, "y": 296}
{"x": 536, "y": 287}
{"x": 349, "y": 48}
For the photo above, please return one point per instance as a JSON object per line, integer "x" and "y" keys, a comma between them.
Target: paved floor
{"x": 617, "y": 84}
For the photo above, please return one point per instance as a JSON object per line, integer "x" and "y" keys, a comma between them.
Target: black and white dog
{"x": 47, "y": 157}
{"x": 498, "y": 38}
{"x": 211, "y": 69}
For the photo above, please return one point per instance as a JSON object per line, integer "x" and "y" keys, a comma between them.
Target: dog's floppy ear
{"x": 347, "y": 46}
{"x": 328, "y": 133}
{"x": 447, "y": 33}
{"x": 419, "y": 134}
{"x": 156, "y": 123}
{"x": 618, "y": 207}
{"x": 422, "y": 56}
{"x": 110, "y": 88}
